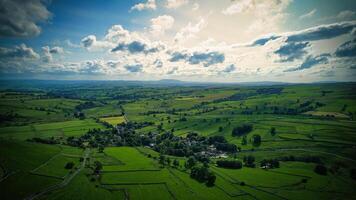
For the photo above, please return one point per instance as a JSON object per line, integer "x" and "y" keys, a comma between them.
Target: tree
{"x": 162, "y": 159}
{"x": 190, "y": 162}
{"x": 220, "y": 128}
{"x": 232, "y": 164}
{"x": 175, "y": 163}
{"x": 101, "y": 149}
{"x": 249, "y": 161}
{"x": 244, "y": 140}
{"x": 210, "y": 179}
{"x": 97, "y": 167}
{"x": 168, "y": 160}
{"x": 273, "y": 131}
{"x": 69, "y": 165}
{"x": 353, "y": 173}
{"x": 242, "y": 130}
{"x": 256, "y": 140}
{"x": 320, "y": 169}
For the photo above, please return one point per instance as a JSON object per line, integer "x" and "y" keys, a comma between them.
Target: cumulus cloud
{"x": 18, "y": 52}
{"x": 21, "y": 18}
{"x": 311, "y": 34}
{"x": 160, "y": 24}
{"x": 175, "y": 3}
{"x": 239, "y": 7}
{"x": 149, "y": 5}
{"x": 158, "y": 63}
{"x": 292, "y": 51}
{"x": 134, "y": 67}
{"x": 347, "y": 49}
{"x": 118, "y": 39}
{"x": 195, "y": 6}
{"x": 135, "y": 47}
{"x": 346, "y": 15}
{"x": 48, "y": 52}
{"x": 190, "y": 30}
{"x": 308, "y": 15}
{"x": 194, "y": 58}
{"x": 311, "y": 61}
{"x": 229, "y": 68}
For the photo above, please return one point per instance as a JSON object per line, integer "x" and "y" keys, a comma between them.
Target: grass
{"x": 114, "y": 120}
{"x": 130, "y": 172}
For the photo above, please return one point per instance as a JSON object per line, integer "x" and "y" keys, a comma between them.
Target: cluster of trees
{"x": 192, "y": 144}
{"x": 242, "y": 130}
{"x": 232, "y": 164}
{"x": 270, "y": 163}
{"x": 249, "y": 161}
{"x": 203, "y": 175}
{"x": 123, "y": 134}
{"x": 306, "y": 159}
{"x": 50, "y": 140}
{"x": 321, "y": 169}
{"x": 69, "y": 165}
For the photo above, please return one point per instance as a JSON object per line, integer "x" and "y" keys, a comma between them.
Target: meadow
{"x": 109, "y": 141}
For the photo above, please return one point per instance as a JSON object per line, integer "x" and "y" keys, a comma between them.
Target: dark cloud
{"x": 158, "y": 63}
{"x": 229, "y": 68}
{"x": 88, "y": 41}
{"x": 134, "y": 68}
{"x": 322, "y": 32}
{"x": 311, "y": 61}
{"x": 178, "y": 56}
{"x": 205, "y": 58}
{"x": 292, "y": 51}
{"x": 18, "y": 52}
{"x": 311, "y": 34}
{"x": 264, "y": 40}
{"x": 135, "y": 47}
{"x": 348, "y": 49}
{"x": 20, "y": 18}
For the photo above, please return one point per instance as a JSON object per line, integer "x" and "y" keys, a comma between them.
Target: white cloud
{"x": 49, "y": 52}
{"x": 149, "y": 5}
{"x": 195, "y": 6}
{"x": 239, "y": 7}
{"x": 160, "y": 24}
{"x": 190, "y": 31}
{"x": 18, "y": 52}
{"x": 267, "y": 15}
{"x": 175, "y": 3}
{"x": 308, "y": 15}
{"x": 346, "y": 14}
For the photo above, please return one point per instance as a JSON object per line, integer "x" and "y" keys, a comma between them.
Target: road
{"x": 66, "y": 181}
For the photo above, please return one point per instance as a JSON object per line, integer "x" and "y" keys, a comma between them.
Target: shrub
{"x": 320, "y": 169}
{"x": 242, "y": 130}
{"x": 69, "y": 165}
{"x": 232, "y": 164}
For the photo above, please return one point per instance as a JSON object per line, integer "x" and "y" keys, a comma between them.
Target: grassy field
{"x": 114, "y": 120}
{"x": 315, "y": 120}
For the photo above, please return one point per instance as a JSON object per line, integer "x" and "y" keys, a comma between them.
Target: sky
{"x": 189, "y": 40}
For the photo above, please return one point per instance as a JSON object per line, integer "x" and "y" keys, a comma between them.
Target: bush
{"x": 272, "y": 163}
{"x": 249, "y": 161}
{"x": 232, "y": 164}
{"x": 353, "y": 173}
{"x": 256, "y": 140}
{"x": 69, "y": 165}
{"x": 320, "y": 169}
{"x": 242, "y": 130}
{"x": 202, "y": 174}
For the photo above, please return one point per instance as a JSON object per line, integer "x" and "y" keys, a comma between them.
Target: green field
{"x": 44, "y": 129}
{"x": 113, "y": 120}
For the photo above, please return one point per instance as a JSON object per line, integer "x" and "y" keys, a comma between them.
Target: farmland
{"x": 129, "y": 141}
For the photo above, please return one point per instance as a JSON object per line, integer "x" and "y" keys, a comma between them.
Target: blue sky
{"x": 196, "y": 40}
